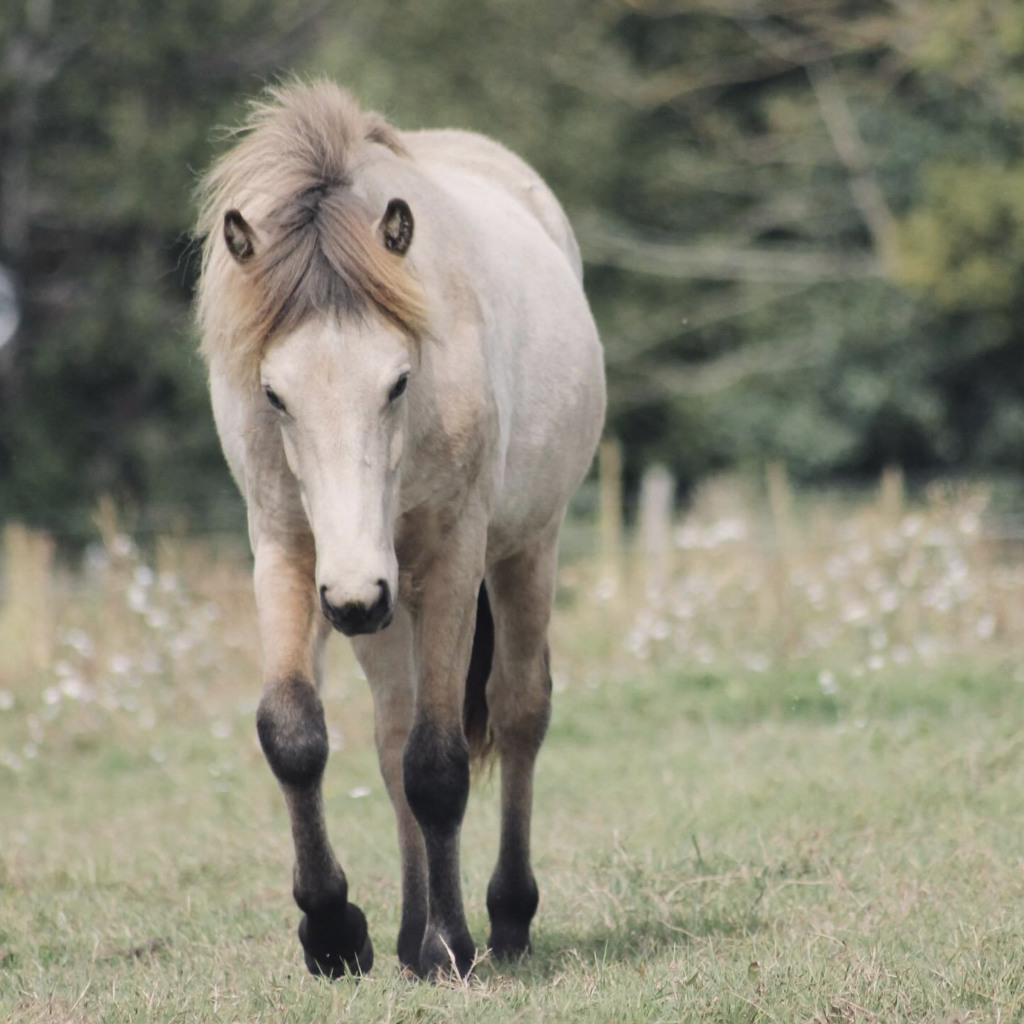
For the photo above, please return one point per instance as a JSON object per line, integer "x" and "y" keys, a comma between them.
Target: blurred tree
{"x": 105, "y": 109}
{"x": 751, "y": 183}
{"x": 802, "y": 221}
{"x": 821, "y": 202}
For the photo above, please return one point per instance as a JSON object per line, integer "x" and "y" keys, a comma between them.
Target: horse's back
{"x": 540, "y": 342}
{"x": 490, "y": 161}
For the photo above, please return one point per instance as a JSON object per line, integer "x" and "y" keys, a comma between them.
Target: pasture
{"x": 784, "y": 781}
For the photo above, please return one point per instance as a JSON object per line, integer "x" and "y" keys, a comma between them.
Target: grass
{"x": 716, "y": 839}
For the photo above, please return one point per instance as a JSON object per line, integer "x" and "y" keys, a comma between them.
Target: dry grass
{"x": 782, "y": 783}
{"x": 851, "y": 588}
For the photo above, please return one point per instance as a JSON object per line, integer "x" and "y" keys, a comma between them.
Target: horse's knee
{"x": 435, "y": 775}
{"x": 292, "y": 731}
{"x": 520, "y": 706}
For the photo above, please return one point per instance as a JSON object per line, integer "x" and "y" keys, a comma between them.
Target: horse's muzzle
{"x": 356, "y": 618}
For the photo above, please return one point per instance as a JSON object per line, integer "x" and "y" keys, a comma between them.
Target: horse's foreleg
{"x": 293, "y": 734}
{"x": 521, "y": 590}
{"x": 435, "y": 764}
{"x": 387, "y": 660}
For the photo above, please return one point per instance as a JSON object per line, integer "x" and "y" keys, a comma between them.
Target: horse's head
{"x": 336, "y": 384}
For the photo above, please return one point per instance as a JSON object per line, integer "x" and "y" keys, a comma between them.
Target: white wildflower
{"x": 970, "y": 523}
{"x": 144, "y": 576}
{"x": 860, "y": 552}
{"x": 837, "y": 567}
{"x": 220, "y": 729}
{"x": 855, "y": 611}
{"x": 757, "y": 662}
{"x": 73, "y": 688}
{"x": 123, "y": 546}
{"x": 80, "y": 641}
{"x": 120, "y": 664}
{"x": 911, "y": 526}
{"x": 158, "y": 619}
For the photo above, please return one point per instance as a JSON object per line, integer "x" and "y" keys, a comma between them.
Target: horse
{"x": 408, "y": 386}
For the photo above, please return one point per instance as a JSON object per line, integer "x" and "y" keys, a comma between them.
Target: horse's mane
{"x": 317, "y": 252}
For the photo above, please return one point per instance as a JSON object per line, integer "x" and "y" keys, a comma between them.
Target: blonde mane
{"x": 317, "y": 252}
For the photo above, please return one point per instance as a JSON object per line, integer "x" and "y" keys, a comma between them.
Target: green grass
{"x": 710, "y": 847}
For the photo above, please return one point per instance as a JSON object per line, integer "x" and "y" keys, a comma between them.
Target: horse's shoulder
{"x": 483, "y": 157}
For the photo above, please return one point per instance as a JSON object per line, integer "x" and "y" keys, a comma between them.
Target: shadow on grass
{"x": 634, "y": 941}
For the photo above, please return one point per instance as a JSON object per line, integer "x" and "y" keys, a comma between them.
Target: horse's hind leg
{"x": 387, "y": 660}
{"x": 293, "y": 734}
{"x": 519, "y": 700}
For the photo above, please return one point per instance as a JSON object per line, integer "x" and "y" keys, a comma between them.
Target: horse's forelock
{"x": 317, "y": 253}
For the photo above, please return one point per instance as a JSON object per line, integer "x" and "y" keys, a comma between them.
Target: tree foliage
{"x": 803, "y": 222}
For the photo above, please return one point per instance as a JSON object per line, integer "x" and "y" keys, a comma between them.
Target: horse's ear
{"x": 240, "y": 237}
{"x": 396, "y": 227}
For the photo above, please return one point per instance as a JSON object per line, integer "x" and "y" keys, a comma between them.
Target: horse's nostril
{"x": 355, "y": 617}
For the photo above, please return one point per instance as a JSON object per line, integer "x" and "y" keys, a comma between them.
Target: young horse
{"x": 408, "y": 387}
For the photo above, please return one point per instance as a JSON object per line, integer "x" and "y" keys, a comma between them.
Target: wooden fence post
{"x": 26, "y": 617}
{"x": 657, "y": 494}
{"x": 780, "y": 502}
{"x": 890, "y": 494}
{"x": 610, "y": 526}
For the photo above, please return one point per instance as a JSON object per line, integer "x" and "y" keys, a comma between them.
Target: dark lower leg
{"x": 410, "y": 843}
{"x": 414, "y": 910}
{"x": 436, "y": 782}
{"x": 512, "y": 894}
{"x": 519, "y": 696}
{"x": 387, "y": 661}
{"x": 290, "y": 723}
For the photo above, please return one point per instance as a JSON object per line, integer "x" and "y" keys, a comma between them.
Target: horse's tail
{"x": 475, "y": 720}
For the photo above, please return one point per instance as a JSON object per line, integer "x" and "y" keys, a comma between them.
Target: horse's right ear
{"x": 396, "y": 227}
{"x": 239, "y": 236}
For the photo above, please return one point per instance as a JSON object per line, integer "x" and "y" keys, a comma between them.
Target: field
{"x": 784, "y": 782}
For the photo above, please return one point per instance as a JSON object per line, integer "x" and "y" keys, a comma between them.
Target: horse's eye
{"x": 273, "y": 399}
{"x": 399, "y": 389}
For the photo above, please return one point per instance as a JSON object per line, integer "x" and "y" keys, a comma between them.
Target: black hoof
{"x": 410, "y": 941}
{"x": 338, "y": 945}
{"x": 509, "y": 942}
{"x": 444, "y": 956}
{"x": 512, "y": 900}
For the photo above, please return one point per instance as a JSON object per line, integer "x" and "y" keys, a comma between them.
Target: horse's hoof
{"x": 443, "y": 957}
{"x": 410, "y": 941}
{"x": 512, "y": 900}
{"x": 336, "y": 946}
{"x": 509, "y": 943}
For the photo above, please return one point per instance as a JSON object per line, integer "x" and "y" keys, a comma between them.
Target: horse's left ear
{"x": 239, "y": 236}
{"x": 396, "y": 227}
